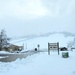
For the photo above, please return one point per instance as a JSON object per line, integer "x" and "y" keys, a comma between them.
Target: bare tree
{"x": 71, "y": 44}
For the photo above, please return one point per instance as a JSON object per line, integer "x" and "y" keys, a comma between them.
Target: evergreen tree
{"x": 3, "y": 40}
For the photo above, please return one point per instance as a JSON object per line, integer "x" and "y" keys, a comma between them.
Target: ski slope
{"x": 32, "y": 43}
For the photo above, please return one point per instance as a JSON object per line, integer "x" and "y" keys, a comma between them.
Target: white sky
{"x": 22, "y": 17}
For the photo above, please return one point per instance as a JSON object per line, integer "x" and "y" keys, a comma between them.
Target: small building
{"x": 13, "y": 48}
{"x": 16, "y": 47}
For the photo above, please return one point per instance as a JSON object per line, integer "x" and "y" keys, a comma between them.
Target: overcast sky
{"x": 23, "y": 17}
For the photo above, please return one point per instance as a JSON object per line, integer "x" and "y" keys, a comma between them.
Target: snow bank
{"x": 4, "y": 52}
{"x": 40, "y": 64}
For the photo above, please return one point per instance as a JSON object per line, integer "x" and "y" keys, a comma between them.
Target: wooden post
{"x": 48, "y": 49}
{"x": 58, "y": 47}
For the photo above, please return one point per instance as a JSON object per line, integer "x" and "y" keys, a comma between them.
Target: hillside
{"x": 42, "y": 40}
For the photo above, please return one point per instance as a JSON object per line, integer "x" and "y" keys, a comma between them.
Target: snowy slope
{"x": 43, "y": 41}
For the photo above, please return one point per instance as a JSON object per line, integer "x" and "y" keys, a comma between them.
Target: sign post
{"x": 53, "y": 46}
{"x": 58, "y": 47}
{"x": 48, "y": 49}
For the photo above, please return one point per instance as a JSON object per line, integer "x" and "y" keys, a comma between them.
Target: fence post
{"x": 23, "y": 46}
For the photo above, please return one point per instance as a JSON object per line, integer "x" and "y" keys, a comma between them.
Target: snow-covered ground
{"x": 3, "y": 57}
{"x": 3, "y": 52}
{"x": 41, "y": 64}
